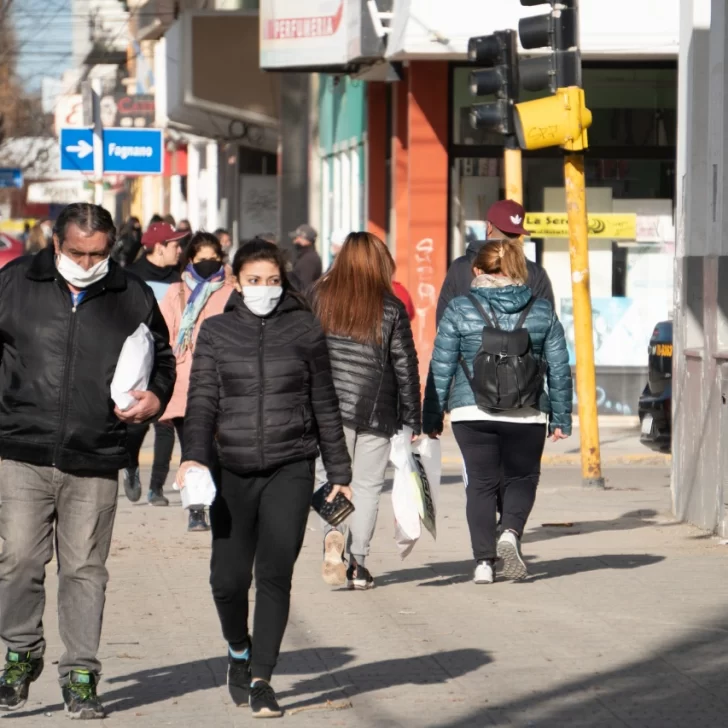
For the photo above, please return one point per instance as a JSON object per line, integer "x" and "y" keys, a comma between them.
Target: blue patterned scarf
{"x": 202, "y": 289}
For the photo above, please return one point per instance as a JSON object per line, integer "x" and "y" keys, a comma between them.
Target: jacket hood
{"x": 147, "y": 271}
{"x": 289, "y": 302}
{"x": 510, "y": 299}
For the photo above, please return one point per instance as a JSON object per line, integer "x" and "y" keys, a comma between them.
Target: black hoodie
{"x": 460, "y": 277}
{"x": 158, "y": 278}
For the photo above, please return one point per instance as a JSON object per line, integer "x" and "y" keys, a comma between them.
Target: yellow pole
{"x": 586, "y": 385}
{"x": 513, "y": 173}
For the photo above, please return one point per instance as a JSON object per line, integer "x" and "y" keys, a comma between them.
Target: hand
{"x": 557, "y": 435}
{"x": 146, "y": 407}
{"x": 435, "y": 434}
{"x": 182, "y": 472}
{"x": 345, "y": 490}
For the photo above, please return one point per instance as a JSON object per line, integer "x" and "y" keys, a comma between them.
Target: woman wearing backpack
{"x": 376, "y": 375}
{"x": 503, "y": 370}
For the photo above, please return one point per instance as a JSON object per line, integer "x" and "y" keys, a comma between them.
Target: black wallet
{"x": 335, "y": 512}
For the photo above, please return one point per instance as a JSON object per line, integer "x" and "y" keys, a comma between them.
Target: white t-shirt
{"x": 526, "y": 416}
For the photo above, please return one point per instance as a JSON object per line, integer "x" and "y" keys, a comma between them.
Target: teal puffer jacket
{"x": 460, "y": 332}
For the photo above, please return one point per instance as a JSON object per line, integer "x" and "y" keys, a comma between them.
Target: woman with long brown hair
{"x": 376, "y": 375}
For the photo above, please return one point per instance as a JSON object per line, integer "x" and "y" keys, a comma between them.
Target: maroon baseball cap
{"x": 161, "y": 232}
{"x": 508, "y": 216}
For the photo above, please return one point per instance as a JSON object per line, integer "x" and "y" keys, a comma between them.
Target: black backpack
{"x": 506, "y": 373}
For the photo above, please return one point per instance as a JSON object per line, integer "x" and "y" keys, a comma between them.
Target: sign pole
{"x": 98, "y": 143}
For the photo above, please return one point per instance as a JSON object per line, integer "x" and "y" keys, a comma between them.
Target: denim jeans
{"x": 34, "y": 501}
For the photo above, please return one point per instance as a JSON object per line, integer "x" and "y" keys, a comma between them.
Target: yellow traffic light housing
{"x": 560, "y": 120}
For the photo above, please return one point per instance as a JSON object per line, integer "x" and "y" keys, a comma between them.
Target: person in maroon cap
{"x": 159, "y": 269}
{"x": 504, "y": 221}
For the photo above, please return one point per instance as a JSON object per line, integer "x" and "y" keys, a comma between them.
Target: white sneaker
{"x": 509, "y": 552}
{"x": 484, "y": 573}
{"x": 333, "y": 570}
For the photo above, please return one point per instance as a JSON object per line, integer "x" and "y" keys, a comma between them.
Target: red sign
{"x": 312, "y": 27}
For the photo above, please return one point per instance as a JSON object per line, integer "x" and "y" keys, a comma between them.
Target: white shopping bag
{"x": 198, "y": 490}
{"x": 134, "y": 368}
{"x": 416, "y": 488}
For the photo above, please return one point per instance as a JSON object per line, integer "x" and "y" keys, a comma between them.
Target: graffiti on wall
{"x": 425, "y": 295}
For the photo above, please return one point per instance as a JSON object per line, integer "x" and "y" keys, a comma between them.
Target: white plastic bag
{"x": 134, "y": 368}
{"x": 416, "y": 488}
{"x": 198, "y": 490}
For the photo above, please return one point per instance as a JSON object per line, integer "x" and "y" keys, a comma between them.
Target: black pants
{"x": 495, "y": 451}
{"x": 258, "y": 518}
{"x": 163, "y": 447}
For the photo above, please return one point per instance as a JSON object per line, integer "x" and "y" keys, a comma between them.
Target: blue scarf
{"x": 202, "y": 289}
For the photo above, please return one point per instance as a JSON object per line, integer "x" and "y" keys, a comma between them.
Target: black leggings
{"x": 163, "y": 447}
{"x": 495, "y": 451}
{"x": 258, "y": 518}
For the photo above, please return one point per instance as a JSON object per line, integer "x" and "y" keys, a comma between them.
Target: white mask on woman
{"x": 79, "y": 277}
{"x": 262, "y": 300}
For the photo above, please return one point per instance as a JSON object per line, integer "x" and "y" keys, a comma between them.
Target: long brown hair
{"x": 350, "y": 297}
{"x": 505, "y": 257}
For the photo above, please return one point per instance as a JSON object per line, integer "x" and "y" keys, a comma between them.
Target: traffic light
{"x": 500, "y": 53}
{"x": 559, "y": 120}
{"x": 559, "y": 31}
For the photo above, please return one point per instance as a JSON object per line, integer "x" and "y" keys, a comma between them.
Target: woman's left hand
{"x": 557, "y": 435}
{"x": 345, "y": 490}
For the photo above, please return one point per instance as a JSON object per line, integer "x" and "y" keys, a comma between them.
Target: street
{"x": 621, "y": 624}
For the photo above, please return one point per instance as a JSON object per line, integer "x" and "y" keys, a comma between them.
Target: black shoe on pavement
{"x": 238, "y": 680}
{"x": 79, "y": 695}
{"x": 20, "y": 670}
{"x": 358, "y": 577}
{"x": 132, "y": 484}
{"x": 157, "y": 498}
{"x": 198, "y": 520}
{"x": 263, "y": 701}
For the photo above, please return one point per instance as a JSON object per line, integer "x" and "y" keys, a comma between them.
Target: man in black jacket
{"x": 307, "y": 268}
{"x": 64, "y": 317}
{"x": 504, "y": 220}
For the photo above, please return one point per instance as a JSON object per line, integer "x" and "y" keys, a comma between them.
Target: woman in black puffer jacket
{"x": 377, "y": 379}
{"x": 262, "y": 402}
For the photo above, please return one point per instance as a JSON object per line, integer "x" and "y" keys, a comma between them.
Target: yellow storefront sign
{"x": 613, "y": 226}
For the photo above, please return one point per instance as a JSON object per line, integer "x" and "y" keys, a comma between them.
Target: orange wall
{"x": 377, "y": 169}
{"x": 400, "y": 183}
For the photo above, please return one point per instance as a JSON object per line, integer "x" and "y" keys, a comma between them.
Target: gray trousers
{"x": 33, "y": 500}
{"x": 369, "y": 454}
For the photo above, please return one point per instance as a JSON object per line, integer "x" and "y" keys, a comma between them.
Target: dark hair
{"x": 199, "y": 241}
{"x": 155, "y": 219}
{"x": 256, "y": 249}
{"x": 221, "y": 231}
{"x": 186, "y": 223}
{"x": 169, "y": 219}
{"x": 89, "y": 218}
{"x": 268, "y": 237}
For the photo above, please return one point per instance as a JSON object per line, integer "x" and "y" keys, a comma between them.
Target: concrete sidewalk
{"x": 623, "y": 623}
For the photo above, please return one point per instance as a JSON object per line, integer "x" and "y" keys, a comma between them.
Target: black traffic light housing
{"x": 559, "y": 31}
{"x": 500, "y": 53}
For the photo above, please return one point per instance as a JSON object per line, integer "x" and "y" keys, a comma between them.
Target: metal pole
{"x": 98, "y": 143}
{"x": 586, "y": 386}
{"x": 513, "y": 170}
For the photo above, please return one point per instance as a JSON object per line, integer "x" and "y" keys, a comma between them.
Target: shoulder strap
{"x": 492, "y": 322}
{"x": 524, "y": 314}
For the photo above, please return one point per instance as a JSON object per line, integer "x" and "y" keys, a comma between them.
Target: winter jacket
{"x": 172, "y": 307}
{"x": 460, "y": 276}
{"x": 403, "y": 294}
{"x": 158, "y": 278}
{"x": 307, "y": 269}
{"x": 58, "y": 361}
{"x": 261, "y": 390}
{"x": 379, "y": 385}
{"x": 460, "y": 333}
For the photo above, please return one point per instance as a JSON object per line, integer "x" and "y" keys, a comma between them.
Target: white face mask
{"x": 261, "y": 300}
{"x": 79, "y": 277}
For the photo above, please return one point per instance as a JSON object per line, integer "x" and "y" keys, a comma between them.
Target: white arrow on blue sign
{"x": 126, "y": 151}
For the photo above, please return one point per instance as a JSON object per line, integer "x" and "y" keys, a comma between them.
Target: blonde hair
{"x": 504, "y": 257}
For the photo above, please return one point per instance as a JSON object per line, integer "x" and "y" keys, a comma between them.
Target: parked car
{"x": 655, "y": 407}
{"x": 10, "y": 249}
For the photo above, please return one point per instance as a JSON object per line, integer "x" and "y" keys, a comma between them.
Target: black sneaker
{"x": 358, "y": 577}
{"x": 263, "y": 701}
{"x": 20, "y": 670}
{"x": 238, "y": 680}
{"x": 79, "y": 695}
{"x": 157, "y": 498}
{"x": 198, "y": 520}
{"x": 132, "y": 484}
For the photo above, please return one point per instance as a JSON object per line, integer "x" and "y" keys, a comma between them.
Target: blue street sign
{"x": 11, "y": 177}
{"x": 133, "y": 151}
{"x": 77, "y": 150}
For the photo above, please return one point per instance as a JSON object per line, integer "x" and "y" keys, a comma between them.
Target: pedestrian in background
{"x": 159, "y": 269}
{"x": 203, "y": 292}
{"x": 262, "y": 400}
{"x": 506, "y": 445}
{"x": 128, "y": 243}
{"x": 36, "y": 240}
{"x": 376, "y": 375}
{"x": 64, "y": 318}
{"x": 307, "y": 266}
{"x": 226, "y": 243}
